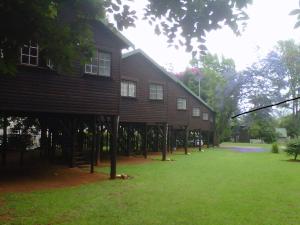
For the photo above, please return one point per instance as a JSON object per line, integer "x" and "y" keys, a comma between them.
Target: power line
{"x": 267, "y": 106}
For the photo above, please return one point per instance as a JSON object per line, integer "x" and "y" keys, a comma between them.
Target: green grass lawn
{"x": 216, "y": 187}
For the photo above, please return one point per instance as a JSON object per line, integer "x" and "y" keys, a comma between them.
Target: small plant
{"x": 293, "y": 147}
{"x": 275, "y": 148}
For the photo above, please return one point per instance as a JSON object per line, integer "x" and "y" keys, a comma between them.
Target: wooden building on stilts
{"x": 159, "y": 110}
{"x": 71, "y": 110}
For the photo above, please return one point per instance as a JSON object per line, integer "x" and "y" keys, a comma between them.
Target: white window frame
{"x": 29, "y": 55}
{"x": 181, "y": 103}
{"x": 196, "y": 112}
{"x": 205, "y": 116}
{"x": 156, "y": 92}
{"x": 100, "y": 64}
{"x": 126, "y": 90}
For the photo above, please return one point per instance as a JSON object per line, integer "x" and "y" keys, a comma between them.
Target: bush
{"x": 293, "y": 147}
{"x": 275, "y": 148}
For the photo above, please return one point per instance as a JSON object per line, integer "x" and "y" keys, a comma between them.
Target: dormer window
{"x": 30, "y": 54}
{"x": 99, "y": 65}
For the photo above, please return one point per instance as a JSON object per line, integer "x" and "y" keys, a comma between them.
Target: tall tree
{"x": 220, "y": 88}
{"x": 66, "y": 36}
{"x": 290, "y": 55}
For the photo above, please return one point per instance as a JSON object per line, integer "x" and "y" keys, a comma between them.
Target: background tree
{"x": 67, "y": 36}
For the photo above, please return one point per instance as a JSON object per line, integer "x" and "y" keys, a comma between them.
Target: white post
{"x": 199, "y": 87}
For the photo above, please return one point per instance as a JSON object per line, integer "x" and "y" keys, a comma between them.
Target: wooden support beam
{"x": 114, "y": 146}
{"x": 129, "y": 140}
{"x": 157, "y": 131}
{"x": 97, "y": 154}
{"x": 165, "y": 142}
{"x": 145, "y": 141}
{"x": 93, "y": 149}
{"x": 4, "y": 140}
{"x": 200, "y": 140}
{"x": 208, "y": 139}
{"x": 186, "y": 139}
{"x": 43, "y": 144}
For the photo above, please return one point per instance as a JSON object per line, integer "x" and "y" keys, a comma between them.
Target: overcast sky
{"x": 269, "y": 22}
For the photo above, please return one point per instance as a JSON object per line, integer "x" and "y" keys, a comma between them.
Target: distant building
{"x": 240, "y": 134}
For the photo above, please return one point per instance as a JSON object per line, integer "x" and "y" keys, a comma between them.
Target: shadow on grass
{"x": 292, "y": 160}
{"x": 167, "y": 160}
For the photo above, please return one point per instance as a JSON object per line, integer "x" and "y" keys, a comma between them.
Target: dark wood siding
{"x": 177, "y": 118}
{"x": 198, "y": 122}
{"x": 139, "y": 69}
{"x": 39, "y": 90}
{"x": 141, "y": 108}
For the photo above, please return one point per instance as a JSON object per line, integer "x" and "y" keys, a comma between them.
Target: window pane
{"x": 124, "y": 88}
{"x": 156, "y": 92}
{"x": 94, "y": 69}
{"x": 104, "y": 64}
{"x": 33, "y": 51}
{"x": 205, "y": 116}
{"x": 132, "y": 89}
{"x": 196, "y": 112}
{"x": 33, "y": 61}
{"x": 181, "y": 103}
{"x": 29, "y": 54}
{"x": 25, "y": 50}
{"x": 25, "y": 59}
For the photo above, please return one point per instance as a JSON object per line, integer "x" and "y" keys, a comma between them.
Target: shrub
{"x": 293, "y": 147}
{"x": 275, "y": 148}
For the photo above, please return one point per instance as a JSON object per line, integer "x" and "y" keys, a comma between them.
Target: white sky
{"x": 269, "y": 22}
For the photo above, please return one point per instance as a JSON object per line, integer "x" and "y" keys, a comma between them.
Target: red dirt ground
{"x": 46, "y": 176}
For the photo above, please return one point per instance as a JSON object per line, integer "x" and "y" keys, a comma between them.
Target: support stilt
{"x": 114, "y": 146}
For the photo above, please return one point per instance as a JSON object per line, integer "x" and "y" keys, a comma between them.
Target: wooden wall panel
{"x": 36, "y": 89}
{"x": 141, "y": 108}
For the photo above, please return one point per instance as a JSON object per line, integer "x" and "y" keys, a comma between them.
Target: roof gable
{"x": 166, "y": 73}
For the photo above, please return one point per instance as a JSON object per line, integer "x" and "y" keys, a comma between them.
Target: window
{"x": 181, "y": 103}
{"x": 30, "y": 54}
{"x": 128, "y": 89}
{"x": 205, "y": 116}
{"x": 156, "y": 92}
{"x": 196, "y": 112}
{"x": 100, "y": 64}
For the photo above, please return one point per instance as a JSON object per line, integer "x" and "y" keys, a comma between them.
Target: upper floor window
{"x": 128, "y": 89}
{"x": 100, "y": 64}
{"x": 196, "y": 112}
{"x": 30, "y": 54}
{"x": 156, "y": 92}
{"x": 205, "y": 116}
{"x": 181, "y": 103}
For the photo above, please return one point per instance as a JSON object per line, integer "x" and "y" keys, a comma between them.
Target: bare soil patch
{"x": 44, "y": 176}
